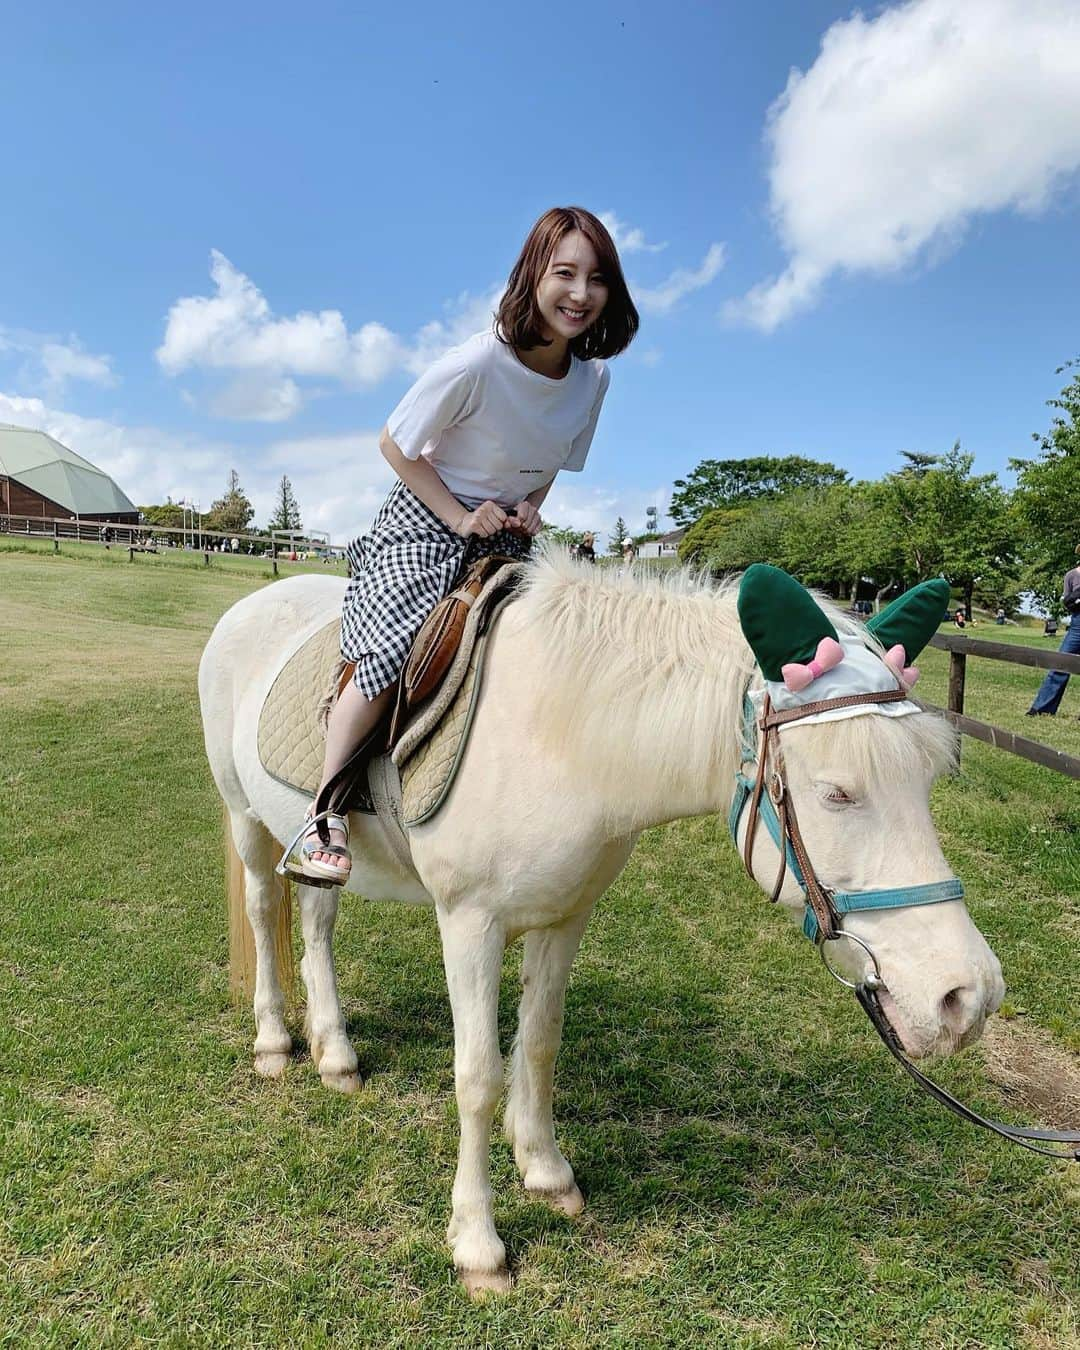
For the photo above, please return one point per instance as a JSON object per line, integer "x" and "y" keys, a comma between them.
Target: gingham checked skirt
{"x": 400, "y": 571}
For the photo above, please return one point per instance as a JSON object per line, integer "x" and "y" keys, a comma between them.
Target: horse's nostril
{"x": 960, "y": 1008}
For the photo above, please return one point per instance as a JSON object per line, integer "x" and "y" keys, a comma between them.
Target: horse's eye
{"x": 836, "y": 795}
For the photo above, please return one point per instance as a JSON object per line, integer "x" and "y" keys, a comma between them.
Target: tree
{"x": 232, "y": 513}
{"x": 167, "y": 514}
{"x": 917, "y": 462}
{"x": 939, "y": 521}
{"x": 561, "y": 534}
{"x": 617, "y": 536}
{"x": 1046, "y": 496}
{"x": 731, "y": 482}
{"x": 286, "y": 513}
{"x": 702, "y": 541}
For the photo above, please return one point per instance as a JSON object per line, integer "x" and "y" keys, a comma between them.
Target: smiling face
{"x": 573, "y": 291}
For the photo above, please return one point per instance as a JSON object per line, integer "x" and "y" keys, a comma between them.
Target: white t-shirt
{"x": 493, "y": 429}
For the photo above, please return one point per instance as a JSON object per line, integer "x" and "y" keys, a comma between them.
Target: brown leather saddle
{"x": 429, "y": 659}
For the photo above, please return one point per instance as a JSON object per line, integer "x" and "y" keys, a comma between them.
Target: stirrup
{"x": 298, "y": 865}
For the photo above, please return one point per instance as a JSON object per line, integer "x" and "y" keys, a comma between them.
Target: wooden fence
{"x": 959, "y": 649}
{"x": 145, "y": 537}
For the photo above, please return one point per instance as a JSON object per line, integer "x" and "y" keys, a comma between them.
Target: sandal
{"x": 298, "y": 864}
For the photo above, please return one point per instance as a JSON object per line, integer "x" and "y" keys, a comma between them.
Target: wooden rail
{"x": 135, "y": 537}
{"x": 959, "y": 649}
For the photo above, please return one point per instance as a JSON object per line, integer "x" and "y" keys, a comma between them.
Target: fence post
{"x": 56, "y": 545}
{"x": 273, "y": 562}
{"x": 131, "y": 552}
{"x": 957, "y": 672}
{"x": 206, "y": 559}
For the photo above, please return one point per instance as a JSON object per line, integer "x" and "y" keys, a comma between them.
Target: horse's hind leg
{"x": 262, "y": 902}
{"x": 528, "y": 1124}
{"x": 331, "y": 1051}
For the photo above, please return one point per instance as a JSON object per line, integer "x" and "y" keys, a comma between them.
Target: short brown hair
{"x": 519, "y": 322}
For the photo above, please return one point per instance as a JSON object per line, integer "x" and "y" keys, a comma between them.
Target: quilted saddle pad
{"x": 292, "y": 735}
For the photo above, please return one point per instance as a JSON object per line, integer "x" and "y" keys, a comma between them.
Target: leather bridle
{"x": 825, "y": 906}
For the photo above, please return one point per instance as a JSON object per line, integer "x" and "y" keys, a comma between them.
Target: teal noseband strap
{"x": 844, "y": 902}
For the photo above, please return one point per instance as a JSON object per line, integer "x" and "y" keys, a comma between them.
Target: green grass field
{"x": 758, "y": 1173}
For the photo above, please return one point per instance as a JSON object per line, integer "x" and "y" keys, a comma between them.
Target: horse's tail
{"x": 241, "y": 938}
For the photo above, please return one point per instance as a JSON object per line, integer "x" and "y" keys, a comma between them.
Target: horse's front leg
{"x": 473, "y": 944}
{"x": 331, "y": 1052}
{"x": 529, "y": 1126}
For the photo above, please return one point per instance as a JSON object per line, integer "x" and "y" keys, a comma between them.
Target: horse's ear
{"x": 912, "y": 619}
{"x": 779, "y": 619}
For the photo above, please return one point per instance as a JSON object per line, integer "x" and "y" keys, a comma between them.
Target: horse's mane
{"x": 658, "y": 662}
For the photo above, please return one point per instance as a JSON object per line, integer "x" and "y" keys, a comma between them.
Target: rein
{"x": 825, "y": 907}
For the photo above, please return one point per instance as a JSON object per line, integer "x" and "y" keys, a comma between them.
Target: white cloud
{"x": 628, "y": 238}
{"x": 466, "y": 315}
{"x": 682, "y": 282}
{"x": 258, "y": 400}
{"x": 907, "y": 126}
{"x": 579, "y": 507}
{"x": 51, "y": 363}
{"x": 236, "y": 330}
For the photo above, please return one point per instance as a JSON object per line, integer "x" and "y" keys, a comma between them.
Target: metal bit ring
{"x": 871, "y": 981}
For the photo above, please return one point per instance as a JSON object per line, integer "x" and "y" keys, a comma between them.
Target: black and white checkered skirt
{"x": 400, "y": 571}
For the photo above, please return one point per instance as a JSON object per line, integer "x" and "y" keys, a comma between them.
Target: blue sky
{"x": 234, "y": 233}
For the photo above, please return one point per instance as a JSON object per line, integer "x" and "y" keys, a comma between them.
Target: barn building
{"x": 667, "y": 546}
{"x": 40, "y": 477}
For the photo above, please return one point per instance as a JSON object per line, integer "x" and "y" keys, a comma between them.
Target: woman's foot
{"x": 309, "y": 860}
{"x": 337, "y": 854}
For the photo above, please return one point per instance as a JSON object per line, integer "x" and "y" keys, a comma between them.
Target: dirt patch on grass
{"x": 1033, "y": 1071}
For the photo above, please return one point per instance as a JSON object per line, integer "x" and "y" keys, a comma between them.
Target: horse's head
{"x": 856, "y": 776}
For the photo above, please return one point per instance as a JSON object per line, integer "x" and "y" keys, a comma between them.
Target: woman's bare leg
{"x": 353, "y": 717}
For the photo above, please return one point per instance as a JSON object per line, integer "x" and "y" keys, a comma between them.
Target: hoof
{"x": 569, "y": 1202}
{"x": 480, "y": 1282}
{"x": 348, "y": 1083}
{"x": 270, "y": 1064}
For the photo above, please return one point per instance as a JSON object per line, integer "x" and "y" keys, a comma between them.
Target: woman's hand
{"x": 488, "y": 519}
{"x": 527, "y": 520}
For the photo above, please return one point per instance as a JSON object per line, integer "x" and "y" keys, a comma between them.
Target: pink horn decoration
{"x": 895, "y": 659}
{"x": 797, "y": 676}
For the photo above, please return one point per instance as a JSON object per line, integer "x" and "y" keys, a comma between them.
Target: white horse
{"x": 611, "y": 703}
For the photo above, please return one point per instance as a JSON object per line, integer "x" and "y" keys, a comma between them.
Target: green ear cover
{"x": 779, "y": 619}
{"x": 912, "y": 619}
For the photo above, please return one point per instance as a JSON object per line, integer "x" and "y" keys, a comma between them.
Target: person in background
{"x": 958, "y": 619}
{"x": 1048, "y": 699}
{"x": 629, "y": 552}
{"x": 587, "y": 548}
